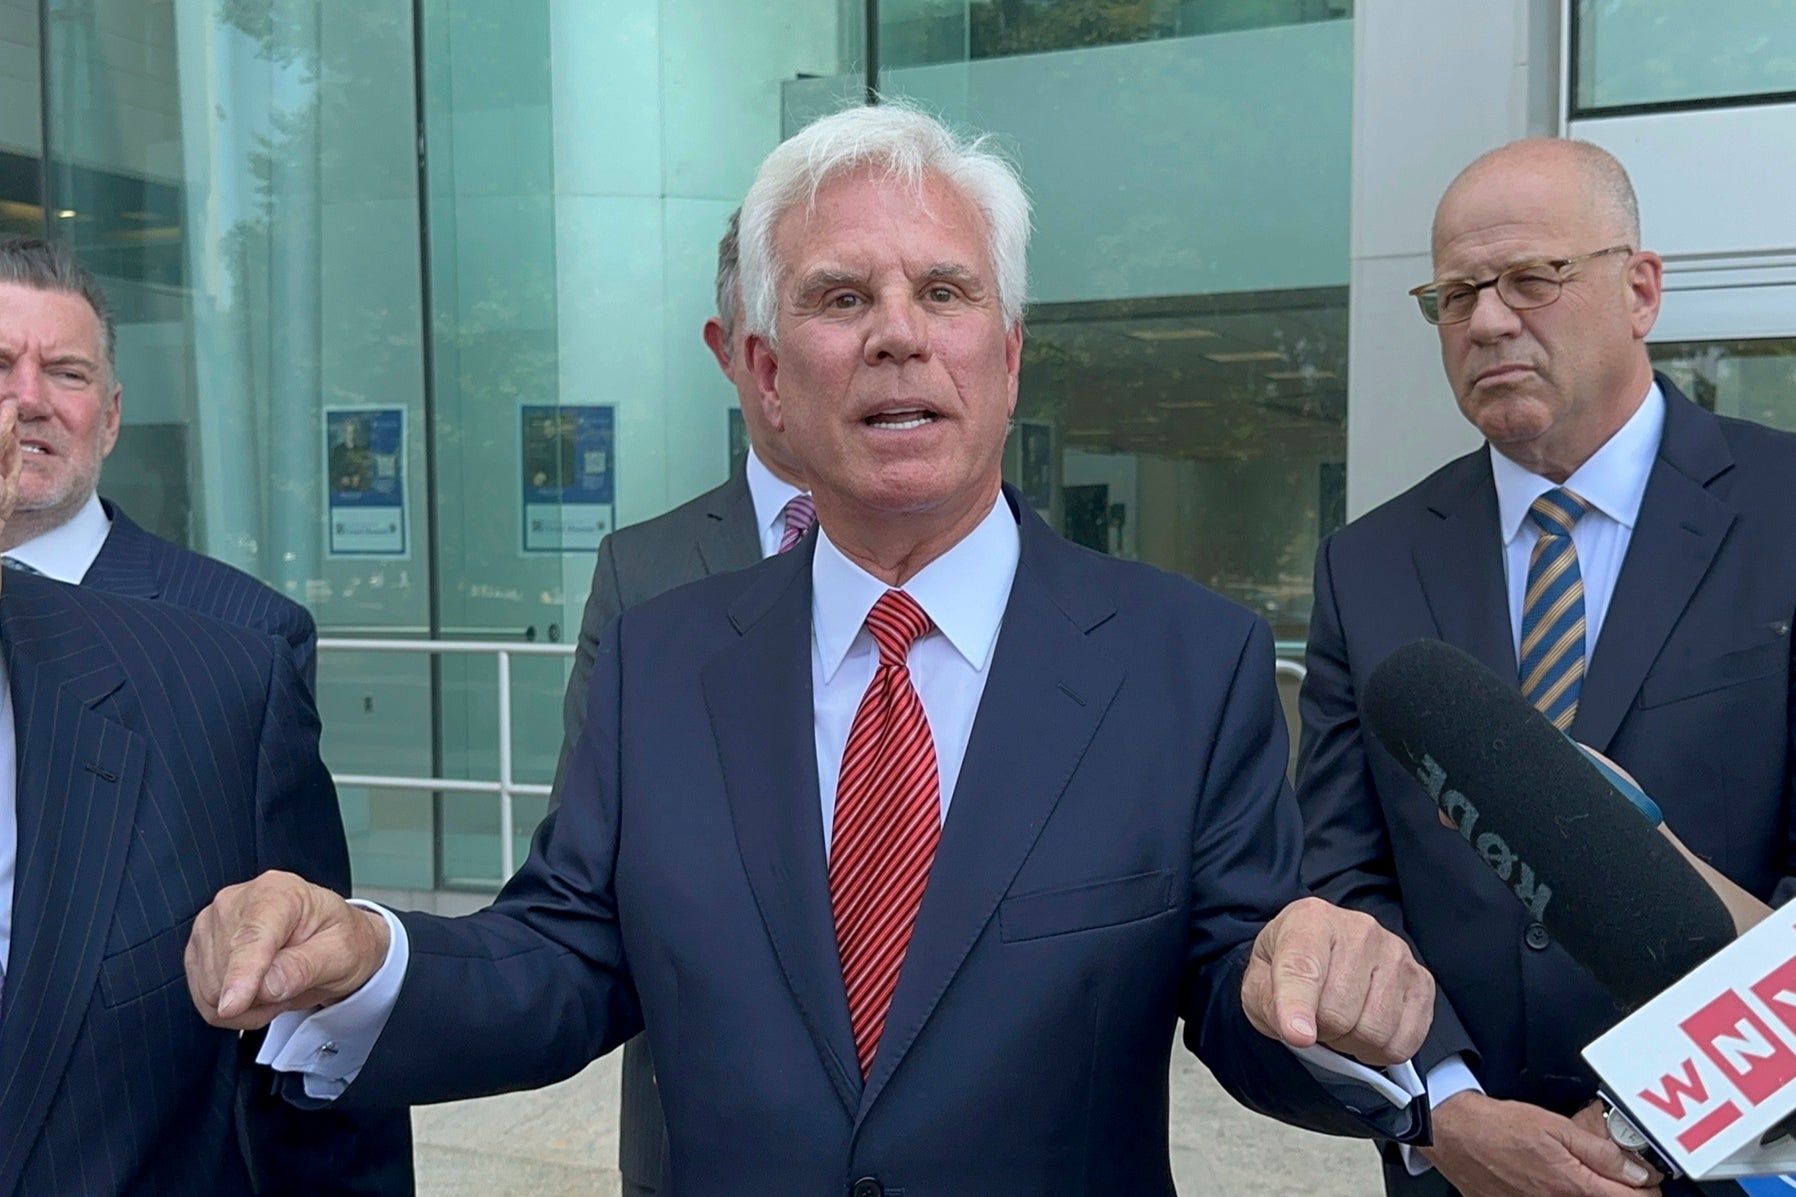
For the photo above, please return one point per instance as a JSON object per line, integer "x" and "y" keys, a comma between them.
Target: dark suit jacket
{"x": 1689, "y": 688}
{"x": 161, "y": 756}
{"x": 716, "y": 532}
{"x": 1120, "y": 831}
{"x": 711, "y": 534}
{"x": 142, "y": 565}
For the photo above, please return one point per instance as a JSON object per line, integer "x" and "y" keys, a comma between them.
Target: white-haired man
{"x": 906, "y": 904}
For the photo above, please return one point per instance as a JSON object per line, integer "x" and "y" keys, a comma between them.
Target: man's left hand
{"x": 1320, "y": 974}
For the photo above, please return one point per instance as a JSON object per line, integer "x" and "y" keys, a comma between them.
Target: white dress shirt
{"x": 67, "y": 552}
{"x": 964, "y": 591}
{"x": 770, "y": 494}
{"x": 1612, "y": 484}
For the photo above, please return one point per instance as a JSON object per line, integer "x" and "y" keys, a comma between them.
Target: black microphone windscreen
{"x": 1601, "y": 878}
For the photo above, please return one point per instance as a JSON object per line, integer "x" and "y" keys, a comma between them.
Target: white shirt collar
{"x": 769, "y": 493}
{"x": 1613, "y": 481}
{"x": 964, "y": 591}
{"x": 67, "y": 552}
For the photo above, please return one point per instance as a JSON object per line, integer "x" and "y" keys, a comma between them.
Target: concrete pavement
{"x": 562, "y": 1141}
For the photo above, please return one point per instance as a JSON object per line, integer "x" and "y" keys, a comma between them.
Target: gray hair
{"x": 1608, "y": 181}
{"x": 729, "y": 275}
{"x": 909, "y": 146}
{"x": 1601, "y": 175}
{"x": 50, "y": 266}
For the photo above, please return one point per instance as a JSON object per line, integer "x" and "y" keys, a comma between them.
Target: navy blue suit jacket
{"x": 1120, "y": 831}
{"x": 143, "y": 565}
{"x": 1689, "y": 688}
{"x": 161, "y": 756}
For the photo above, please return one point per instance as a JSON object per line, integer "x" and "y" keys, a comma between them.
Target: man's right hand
{"x": 1491, "y": 1148}
{"x": 279, "y": 943}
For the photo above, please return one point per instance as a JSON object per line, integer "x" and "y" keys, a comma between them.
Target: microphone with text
{"x": 1595, "y": 871}
{"x": 1703, "y": 1073}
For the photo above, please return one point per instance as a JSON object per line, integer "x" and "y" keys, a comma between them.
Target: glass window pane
{"x": 1681, "y": 52}
{"x": 242, "y": 177}
{"x": 21, "y": 121}
{"x": 582, "y": 166}
{"x": 1184, "y": 389}
{"x": 920, "y": 32}
{"x": 1751, "y": 380}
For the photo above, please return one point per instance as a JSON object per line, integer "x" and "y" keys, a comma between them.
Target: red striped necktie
{"x": 888, "y": 822}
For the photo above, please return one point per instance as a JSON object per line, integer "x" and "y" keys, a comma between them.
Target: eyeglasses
{"x": 1529, "y": 285}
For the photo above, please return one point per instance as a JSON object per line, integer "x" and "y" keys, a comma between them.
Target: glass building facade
{"x": 410, "y": 294}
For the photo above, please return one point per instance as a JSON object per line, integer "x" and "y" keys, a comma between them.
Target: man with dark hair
{"x": 228, "y": 790}
{"x": 149, "y": 754}
{"x": 1628, "y": 561}
{"x": 58, "y": 357}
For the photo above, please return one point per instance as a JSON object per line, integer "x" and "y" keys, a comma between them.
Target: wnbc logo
{"x": 1739, "y": 1049}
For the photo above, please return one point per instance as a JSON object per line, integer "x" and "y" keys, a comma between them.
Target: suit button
{"x": 1537, "y": 937}
{"x": 866, "y": 1186}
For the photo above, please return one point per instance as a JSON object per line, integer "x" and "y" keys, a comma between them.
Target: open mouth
{"x": 902, "y": 420}
{"x": 36, "y": 447}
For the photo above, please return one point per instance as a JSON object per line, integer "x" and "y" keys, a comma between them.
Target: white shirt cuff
{"x": 328, "y": 1045}
{"x": 1398, "y": 1084}
{"x": 1450, "y": 1077}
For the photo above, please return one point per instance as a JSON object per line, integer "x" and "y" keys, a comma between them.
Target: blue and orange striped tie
{"x": 1552, "y": 660}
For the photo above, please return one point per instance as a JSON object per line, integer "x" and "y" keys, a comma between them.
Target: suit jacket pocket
{"x": 1085, "y": 907}
{"x": 1673, "y": 683}
{"x": 143, "y": 968}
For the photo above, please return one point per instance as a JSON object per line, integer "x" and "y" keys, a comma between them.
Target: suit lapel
{"x": 1678, "y": 532}
{"x": 731, "y": 536}
{"x": 1459, "y": 560}
{"x": 758, "y": 694}
{"x": 124, "y": 565}
{"x": 78, "y": 779}
{"x": 1048, "y": 691}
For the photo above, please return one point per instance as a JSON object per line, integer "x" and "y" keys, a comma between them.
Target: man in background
{"x": 1628, "y": 561}
{"x": 58, "y": 362}
{"x": 57, "y": 369}
{"x": 763, "y": 509}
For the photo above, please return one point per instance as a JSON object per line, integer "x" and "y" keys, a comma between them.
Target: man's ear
{"x": 1013, "y": 360}
{"x": 115, "y": 412}
{"x": 1646, "y": 282}
{"x": 718, "y": 342}
{"x": 763, "y": 367}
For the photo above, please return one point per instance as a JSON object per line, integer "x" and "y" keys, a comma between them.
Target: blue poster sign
{"x": 1769, "y": 1186}
{"x": 569, "y": 470}
{"x": 365, "y": 481}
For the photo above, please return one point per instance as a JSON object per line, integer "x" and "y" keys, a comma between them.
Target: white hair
{"x": 909, "y": 146}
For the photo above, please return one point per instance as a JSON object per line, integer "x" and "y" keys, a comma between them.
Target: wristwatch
{"x": 1624, "y": 1134}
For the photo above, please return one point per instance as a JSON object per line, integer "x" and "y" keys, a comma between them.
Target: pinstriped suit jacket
{"x": 161, "y": 756}
{"x": 143, "y": 565}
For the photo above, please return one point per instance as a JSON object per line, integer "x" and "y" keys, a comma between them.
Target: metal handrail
{"x": 506, "y": 788}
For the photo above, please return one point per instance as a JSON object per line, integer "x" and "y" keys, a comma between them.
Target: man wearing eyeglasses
{"x": 1629, "y": 559}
